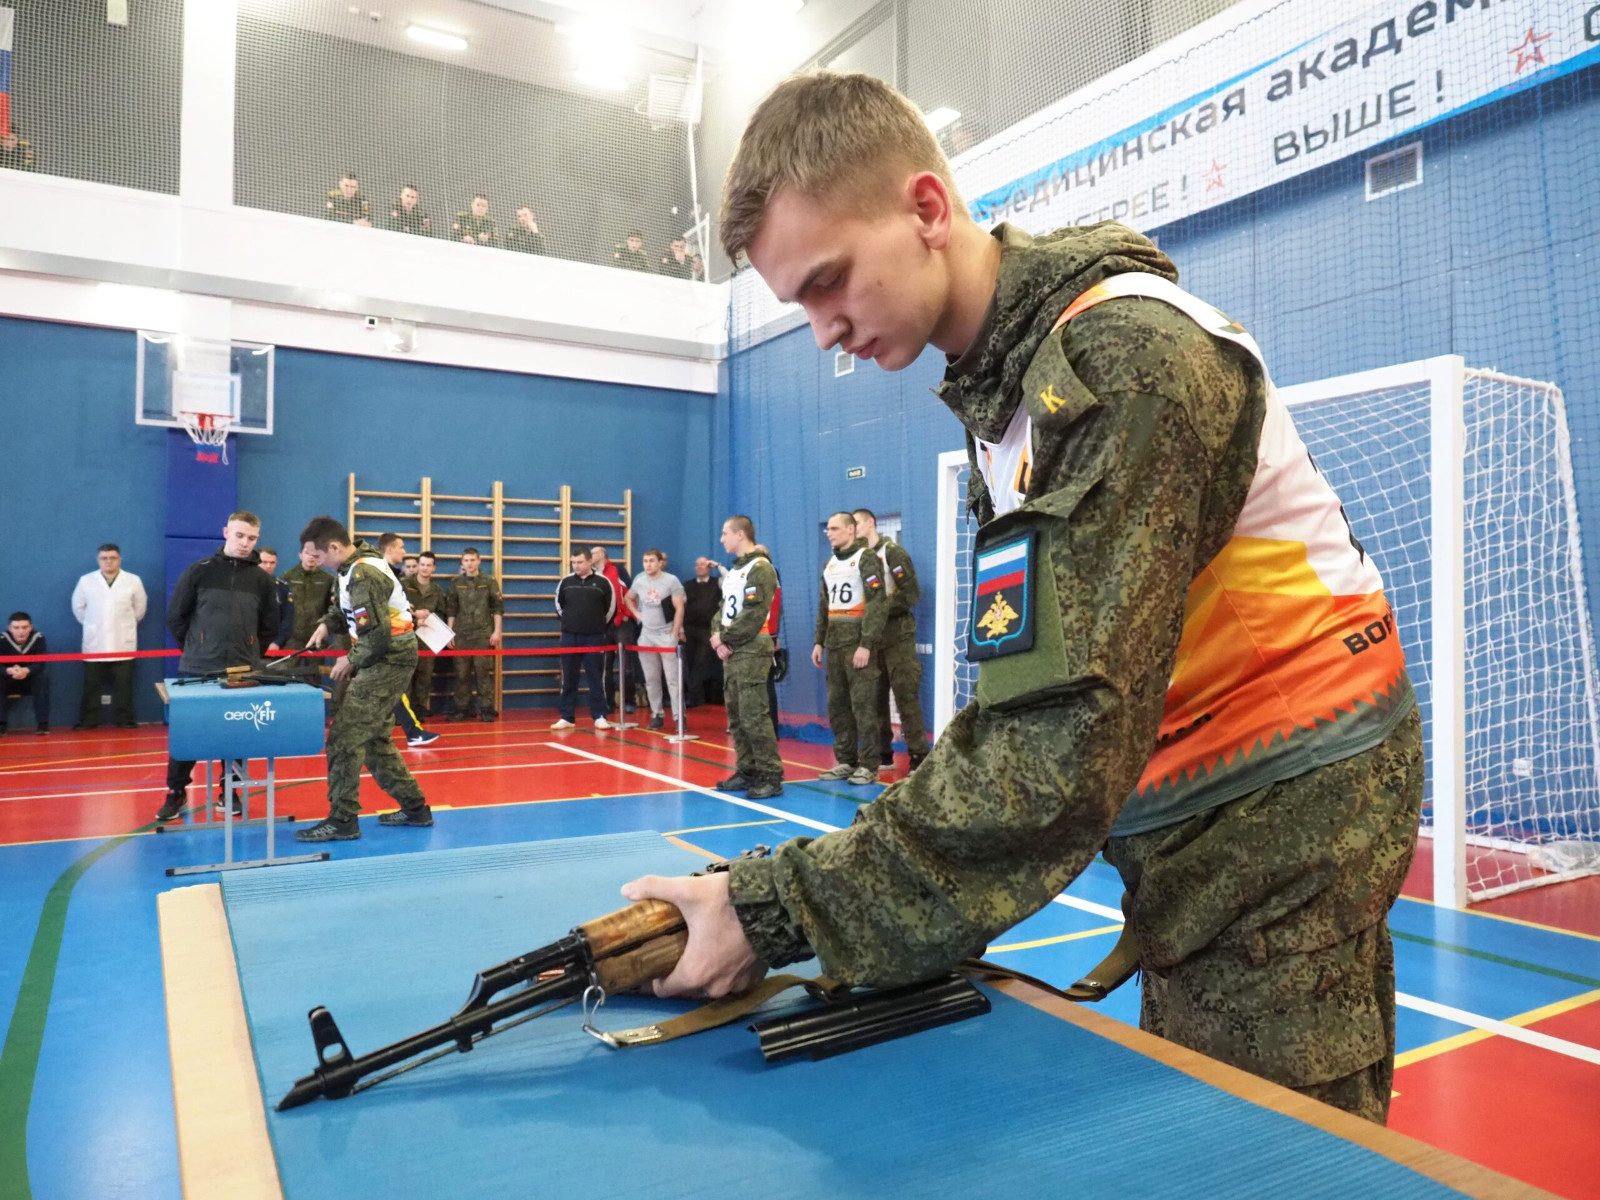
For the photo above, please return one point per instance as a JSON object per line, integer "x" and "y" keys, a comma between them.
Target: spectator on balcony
{"x": 16, "y": 153}
{"x": 475, "y": 227}
{"x": 524, "y": 237}
{"x": 346, "y": 204}
{"x": 408, "y": 215}
{"x": 630, "y": 254}
{"x": 676, "y": 262}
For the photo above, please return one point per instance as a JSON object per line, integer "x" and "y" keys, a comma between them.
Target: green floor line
{"x": 1502, "y": 960}
{"x": 19, "y": 1059}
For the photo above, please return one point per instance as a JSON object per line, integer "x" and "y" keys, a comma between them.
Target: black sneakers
{"x": 420, "y": 817}
{"x": 658, "y": 721}
{"x": 171, "y": 810}
{"x": 734, "y": 783}
{"x": 330, "y": 831}
{"x": 766, "y": 789}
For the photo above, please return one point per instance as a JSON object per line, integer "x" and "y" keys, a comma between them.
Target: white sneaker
{"x": 563, "y": 723}
{"x": 863, "y": 776}
{"x": 601, "y": 723}
{"x": 837, "y": 771}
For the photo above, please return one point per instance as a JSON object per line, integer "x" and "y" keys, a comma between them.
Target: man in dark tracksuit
{"x": 586, "y": 602}
{"x": 372, "y": 608}
{"x": 20, "y": 679}
{"x": 223, "y": 613}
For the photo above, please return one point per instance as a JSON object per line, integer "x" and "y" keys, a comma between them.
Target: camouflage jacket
{"x": 902, "y": 578}
{"x": 429, "y": 596}
{"x": 837, "y": 632}
{"x": 474, "y": 601}
{"x": 346, "y": 209}
{"x": 1145, "y": 442}
{"x": 309, "y": 593}
{"x": 382, "y": 631}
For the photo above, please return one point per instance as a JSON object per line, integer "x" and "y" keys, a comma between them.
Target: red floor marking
{"x": 1574, "y": 905}
{"x": 1513, "y": 1107}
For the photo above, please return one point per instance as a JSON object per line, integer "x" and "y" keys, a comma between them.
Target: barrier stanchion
{"x": 682, "y": 734}
{"x": 622, "y": 721}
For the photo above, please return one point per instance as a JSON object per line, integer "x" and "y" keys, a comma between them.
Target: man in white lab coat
{"x": 109, "y": 603}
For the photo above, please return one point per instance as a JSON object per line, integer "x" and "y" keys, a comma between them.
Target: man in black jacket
{"x": 586, "y": 602}
{"x": 223, "y": 612}
{"x": 19, "y": 679}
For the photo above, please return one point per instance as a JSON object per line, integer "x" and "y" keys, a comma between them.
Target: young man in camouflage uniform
{"x": 475, "y": 614}
{"x": 310, "y": 590}
{"x": 345, "y": 202}
{"x": 902, "y": 670}
{"x": 850, "y": 613}
{"x": 475, "y": 227}
{"x": 1184, "y": 657}
{"x": 370, "y": 605}
{"x": 745, "y": 648}
{"x": 426, "y": 597}
{"x": 407, "y": 215}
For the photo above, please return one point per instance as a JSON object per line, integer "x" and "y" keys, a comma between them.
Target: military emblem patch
{"x": 873, "y": 582}
{"x": 1002, "y": 598}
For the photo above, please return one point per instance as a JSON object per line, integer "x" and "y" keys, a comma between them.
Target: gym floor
{"x": 1499, "y": 1019}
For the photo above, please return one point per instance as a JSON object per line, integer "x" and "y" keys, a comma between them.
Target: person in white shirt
{"x": 109, "y": 604}
{"x": 656, "y": 600}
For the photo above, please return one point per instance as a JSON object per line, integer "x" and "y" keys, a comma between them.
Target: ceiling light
{"x": 601, "y": 80}
{"x": 435, "y": 38}
{"x": 942, "y": 118}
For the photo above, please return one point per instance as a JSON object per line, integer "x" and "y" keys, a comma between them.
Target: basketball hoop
{"x": 208, "y": 429}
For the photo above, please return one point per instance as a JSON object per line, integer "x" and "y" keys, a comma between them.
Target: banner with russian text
{"x": 1248, "y": 100}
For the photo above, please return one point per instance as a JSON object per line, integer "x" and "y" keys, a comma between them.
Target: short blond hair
{"x": 830, "y": 136}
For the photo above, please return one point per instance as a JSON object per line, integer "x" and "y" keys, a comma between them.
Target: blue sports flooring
{"x": 98, "y": 1107}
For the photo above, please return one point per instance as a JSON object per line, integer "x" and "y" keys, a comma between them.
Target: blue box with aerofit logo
{"x": 208, "y": 720}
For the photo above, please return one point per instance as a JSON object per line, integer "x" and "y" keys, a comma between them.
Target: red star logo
{"x": 1531, "y": 51}
{"x": 1214, "y": 177}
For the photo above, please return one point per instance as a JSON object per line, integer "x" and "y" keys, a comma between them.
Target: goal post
{"x": 1458, "y": 482}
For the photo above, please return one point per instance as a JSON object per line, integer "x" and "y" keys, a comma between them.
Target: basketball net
{"x": 208, "y": 429}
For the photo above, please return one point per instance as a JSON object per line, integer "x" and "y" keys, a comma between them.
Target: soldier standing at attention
{"x": 345, "y": 202}
{"x": 1168, "y": 620}
{"x": 407, "y": 214}
{"x": 475, "y": 615}
{"x": 850, "y": 620}
{"x": 902, "y": 671}
{"x": 745, "y": 648}
{"x": 475, "y": 227}
{"x": 630, "y": 255}
{"x": 426, "y": 597}
{"x": 371, "y": 606}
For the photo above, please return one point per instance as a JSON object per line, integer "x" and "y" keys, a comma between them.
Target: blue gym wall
{"x": 1495, "y": 256}
{"x": 79, "y": 472}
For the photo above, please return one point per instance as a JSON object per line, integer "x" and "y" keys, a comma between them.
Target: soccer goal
{"x": 1459, "y": 483}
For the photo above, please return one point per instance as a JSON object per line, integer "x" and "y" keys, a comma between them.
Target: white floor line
{"x": 1516, "y": 1033}
{"x": 1459, "y": 1016}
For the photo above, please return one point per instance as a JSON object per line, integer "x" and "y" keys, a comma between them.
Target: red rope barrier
{"x": 602, "y": 648}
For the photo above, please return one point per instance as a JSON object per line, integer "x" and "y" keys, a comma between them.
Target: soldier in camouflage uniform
{"x": 851, "y": 610}
{"x": 407, "y": 215}
{"x": 426, "y": 596}
{"x": 345, "y": 202}
{"x": 1196, "y": 672}
{"x": 630, "y": 255}
{"x": 371, "y": 606}
{"x": 902, "y": 670}
{"x": 675, "y": 263}
{"x": 475, "y": 614}
{"x": 16, "y": 153}
{"x": 745, "y": 648}
{"x": 475, "y": 227}
{"x": 310, "y": 592}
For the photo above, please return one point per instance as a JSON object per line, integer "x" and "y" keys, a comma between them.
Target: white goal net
{"x": 1459, "y": 484}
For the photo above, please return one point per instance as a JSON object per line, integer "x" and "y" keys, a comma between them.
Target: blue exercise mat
{"x": 1012, "y": 1103}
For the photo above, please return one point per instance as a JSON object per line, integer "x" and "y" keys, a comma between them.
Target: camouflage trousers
{"x": 421, "y": 689}
{"x": 852, "y": 701}
{"x": 902, "y": 673}
{"x": 744, "y": 685}
{"x": 361, "y": 733}
{"x": 474, "y": 675}
{"x": 1262, "y": 925}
